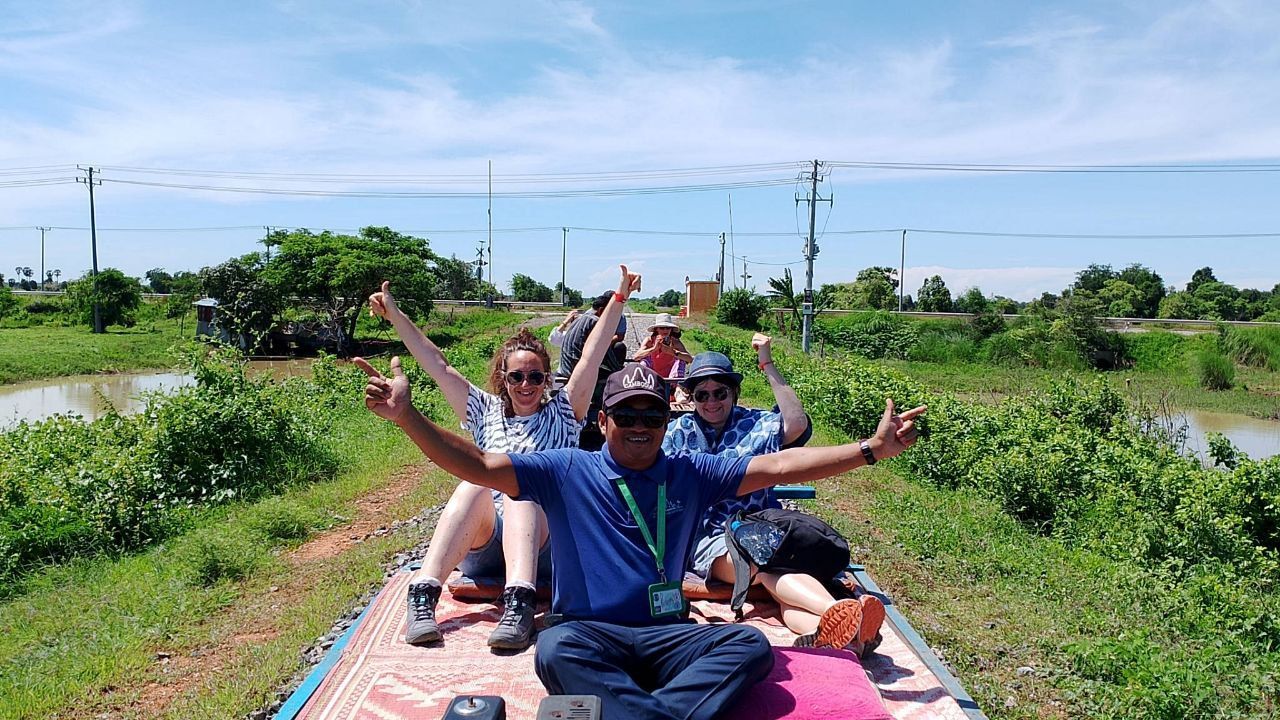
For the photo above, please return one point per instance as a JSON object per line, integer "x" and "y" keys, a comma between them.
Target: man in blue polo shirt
{"x": 621, "y": 523}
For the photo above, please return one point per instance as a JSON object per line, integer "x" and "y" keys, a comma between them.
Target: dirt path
{"x": 254, "y": 619}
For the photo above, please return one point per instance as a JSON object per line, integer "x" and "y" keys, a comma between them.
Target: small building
{"x": 701, "y": 296}
{"x": 207, "y": 319}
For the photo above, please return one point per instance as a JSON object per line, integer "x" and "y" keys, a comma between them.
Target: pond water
{"x": 1255, "y": 437}
{"x": 93, "y": 395}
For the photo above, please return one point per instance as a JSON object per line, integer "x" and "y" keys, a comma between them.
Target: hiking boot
{"x": 837, "y": 628}
{"x": 421, "y": 627}
{"x": 515, "y": 627}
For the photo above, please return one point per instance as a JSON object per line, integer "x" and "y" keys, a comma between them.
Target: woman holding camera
{"x": 663, "y": 351}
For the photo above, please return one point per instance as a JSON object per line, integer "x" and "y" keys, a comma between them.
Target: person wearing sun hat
{"x": 663, "y": 350}
{"x": 720, "y": 426}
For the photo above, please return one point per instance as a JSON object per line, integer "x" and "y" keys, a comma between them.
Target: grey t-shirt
{"x": 574, "y": 340}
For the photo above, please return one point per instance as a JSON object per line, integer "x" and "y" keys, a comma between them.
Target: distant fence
{"x": 1115, "y": 323}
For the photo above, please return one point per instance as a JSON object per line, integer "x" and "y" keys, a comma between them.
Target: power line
{"x": 682, "y": 233}
{"x": 993, "y": 168}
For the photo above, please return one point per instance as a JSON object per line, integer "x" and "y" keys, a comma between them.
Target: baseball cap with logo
{"x": 634, "y": 380}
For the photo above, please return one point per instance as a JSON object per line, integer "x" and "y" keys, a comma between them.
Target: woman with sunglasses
{"x": 482, "y": 532}
{"x": 719, "y": 425}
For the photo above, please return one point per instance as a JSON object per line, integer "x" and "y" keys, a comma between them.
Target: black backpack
{"x": 782, "y": 541}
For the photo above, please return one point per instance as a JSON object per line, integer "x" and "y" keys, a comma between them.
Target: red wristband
{"x": 618, "y": 296}
{"x": 767, "y": 362}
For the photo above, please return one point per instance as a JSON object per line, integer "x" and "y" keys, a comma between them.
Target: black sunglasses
{"x": 627, "y": 417}
{"x": 535, "y": 377}
{"x": 719, "y": 393}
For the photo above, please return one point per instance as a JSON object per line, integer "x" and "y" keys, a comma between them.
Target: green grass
{"x": 46, "y": 351}
{"x": 1256, "y": 392}
{"x": 83, "y": 628}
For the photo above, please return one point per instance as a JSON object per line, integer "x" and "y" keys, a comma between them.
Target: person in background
{"x": 587, "y": 325}
{"x": 481, "y": 532}
{"x": 622, "y": 524}
{"x": 557, "y": 333}
{"x": 663, "y": 350}
{"x": 721, "y": 426}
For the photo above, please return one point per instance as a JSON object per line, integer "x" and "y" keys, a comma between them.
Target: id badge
{"x": 666, "y": 599}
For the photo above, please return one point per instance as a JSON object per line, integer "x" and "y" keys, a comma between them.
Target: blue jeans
{"x": 666, "y": 671}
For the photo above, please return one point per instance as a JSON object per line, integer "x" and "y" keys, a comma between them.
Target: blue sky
{"x": 426, "y": 90}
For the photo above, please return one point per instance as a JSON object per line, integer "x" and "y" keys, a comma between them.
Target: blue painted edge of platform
{"x": 794, "y": 492}
{"x": 919, "y": 646}
{"x": 291, "y": 707}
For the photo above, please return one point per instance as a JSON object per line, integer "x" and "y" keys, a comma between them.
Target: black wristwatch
{"x": 867, "y": 455}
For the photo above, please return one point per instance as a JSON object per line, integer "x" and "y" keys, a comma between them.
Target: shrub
{"x": 214, "y": 556}
{"x": 1156, "y": 350}
{"x": 742, "y": 308}
{"x": 870, "y": 334}
{"x": 1214, "y": 370}
{"x": 1255, "y": 347}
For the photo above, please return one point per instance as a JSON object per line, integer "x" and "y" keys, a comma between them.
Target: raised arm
{"x": 794, "y": 419}
{"x": 583, "y": 380}
{"x": 457, "y": 456}
{"x": 454, "y": 386}
{"x": 894, "y": 435}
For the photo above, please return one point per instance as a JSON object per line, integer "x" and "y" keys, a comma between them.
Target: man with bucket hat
{"x": 622, "y": 521}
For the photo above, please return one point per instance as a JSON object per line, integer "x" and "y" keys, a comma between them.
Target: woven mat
{"x": 380, "y": 677}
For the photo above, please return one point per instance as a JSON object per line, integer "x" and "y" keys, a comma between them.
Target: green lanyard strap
{"x": 658, "y": 549}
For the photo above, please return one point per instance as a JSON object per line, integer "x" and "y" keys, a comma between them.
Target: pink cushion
{"x": 809, "y": 683}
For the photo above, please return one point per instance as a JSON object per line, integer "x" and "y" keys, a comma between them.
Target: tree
{"x": 782, "y": 294}
{"x": 1200, "y": 277}
{"x": 247, "y": 302}
{"x": 741, "y": 307}
{"x": 672, "y": 298}
{"x": 526, "y": 289}
{"x": 1093, "y": 278}
{"x": 159, "y": 281}
{"x": 116, "y": 294}
{"x": 1118, "y": 298}
{"x": 1150, "y": 287}
{"x": 875, "y": 288}
{"x": 934, "y": 296}
{"x": 572, "y": 298}
{"x": 455, "y": 280}
{"x": 337, "y": 273}
{"x": 8, "y": 303}
{"x": 1182, "y": 306}
{"x": 972, "y": 302}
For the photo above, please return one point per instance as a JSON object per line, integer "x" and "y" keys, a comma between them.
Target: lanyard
{"x": 660, "y": 547}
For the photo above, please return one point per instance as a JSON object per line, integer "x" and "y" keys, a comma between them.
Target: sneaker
{"x": 515, "y": 627}
{"x": 421, "y": 627}
{"x": 872, "y": 619}
{"x": 838, "y": 626}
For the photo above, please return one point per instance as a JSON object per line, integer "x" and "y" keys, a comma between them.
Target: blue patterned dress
{"x": 747, "y": 433}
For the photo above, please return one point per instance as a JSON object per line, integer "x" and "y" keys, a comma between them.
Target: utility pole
{"x": 491, "y": 222}
{"x": 745, "y": 276}
{"x": 720, "y": 275}
{"x": 93, "y": 237}
{"x": 43, "y": 230}
{"x": 902, "y": 269}
{"x": 564, "y": 245}
{"x": 810, "y": 252}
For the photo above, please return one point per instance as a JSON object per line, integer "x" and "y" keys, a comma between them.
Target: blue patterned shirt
{"x": 746, "y": 434}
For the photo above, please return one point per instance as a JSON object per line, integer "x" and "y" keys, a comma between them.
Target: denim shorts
{"x": 706, "y": 552}
{"x": 489, "y": 562}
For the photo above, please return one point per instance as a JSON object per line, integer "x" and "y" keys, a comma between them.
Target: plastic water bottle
{"x": 758, "y": 540}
